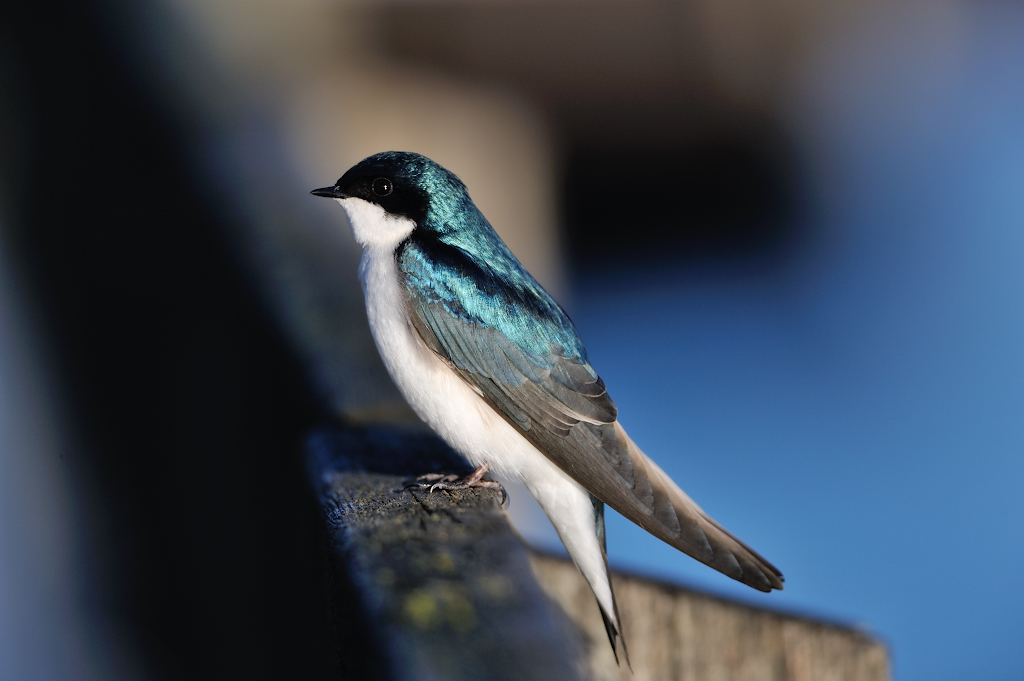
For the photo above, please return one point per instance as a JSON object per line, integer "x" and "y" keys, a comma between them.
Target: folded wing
{"x": 558, "y": 402}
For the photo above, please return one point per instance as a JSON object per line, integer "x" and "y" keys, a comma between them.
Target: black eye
{"x": 382, "y": 186}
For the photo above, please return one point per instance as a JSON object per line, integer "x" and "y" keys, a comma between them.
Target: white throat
{"x": 373, "y": 227}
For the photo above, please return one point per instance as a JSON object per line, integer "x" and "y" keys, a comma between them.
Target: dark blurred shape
{"x": 669, "y": 152}
{"x": 200, "y": 533}
{"x": 726, "y": 198}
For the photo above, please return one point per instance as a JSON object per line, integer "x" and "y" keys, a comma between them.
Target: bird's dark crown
{"x": 404, "y": 184}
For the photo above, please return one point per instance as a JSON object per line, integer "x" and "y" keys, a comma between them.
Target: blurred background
{"x": 790, "y": 233}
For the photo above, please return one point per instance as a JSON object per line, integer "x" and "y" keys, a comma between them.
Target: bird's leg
{"x": 436, "y": 481}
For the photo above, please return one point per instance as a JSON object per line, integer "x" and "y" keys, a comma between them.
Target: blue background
{"x": 855, "y": 411}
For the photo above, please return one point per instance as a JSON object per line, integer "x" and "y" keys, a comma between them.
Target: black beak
{"x": 330, "y": 192}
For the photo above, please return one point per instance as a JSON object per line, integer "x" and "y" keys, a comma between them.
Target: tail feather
{"x": 679, "y": 521}
{"x": 614, "y": 630}
{"x": 612, "y": 621}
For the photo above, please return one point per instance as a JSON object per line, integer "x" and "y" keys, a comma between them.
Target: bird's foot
{"x": 436, "y": 481}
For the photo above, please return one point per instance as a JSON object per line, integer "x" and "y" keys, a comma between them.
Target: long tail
{"x": 680, "y": 522}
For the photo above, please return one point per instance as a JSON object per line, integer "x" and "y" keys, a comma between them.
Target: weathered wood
{"x": 677, "y": 634}
{"x": 438, "y": 586}
{"x": 429, "y": 585}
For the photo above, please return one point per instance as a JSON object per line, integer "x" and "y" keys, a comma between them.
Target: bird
{"x": 488, "y": 359}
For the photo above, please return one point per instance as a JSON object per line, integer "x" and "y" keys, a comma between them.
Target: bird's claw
{"x": 435, "y": 481}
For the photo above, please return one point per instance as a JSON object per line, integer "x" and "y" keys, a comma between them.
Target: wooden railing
{"x": 439, "y": 587}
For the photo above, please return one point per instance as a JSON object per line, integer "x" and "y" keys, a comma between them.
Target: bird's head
{"x": 388, "y": 195}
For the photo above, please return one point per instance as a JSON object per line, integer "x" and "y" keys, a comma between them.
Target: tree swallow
{"x": 491, "y": 362}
